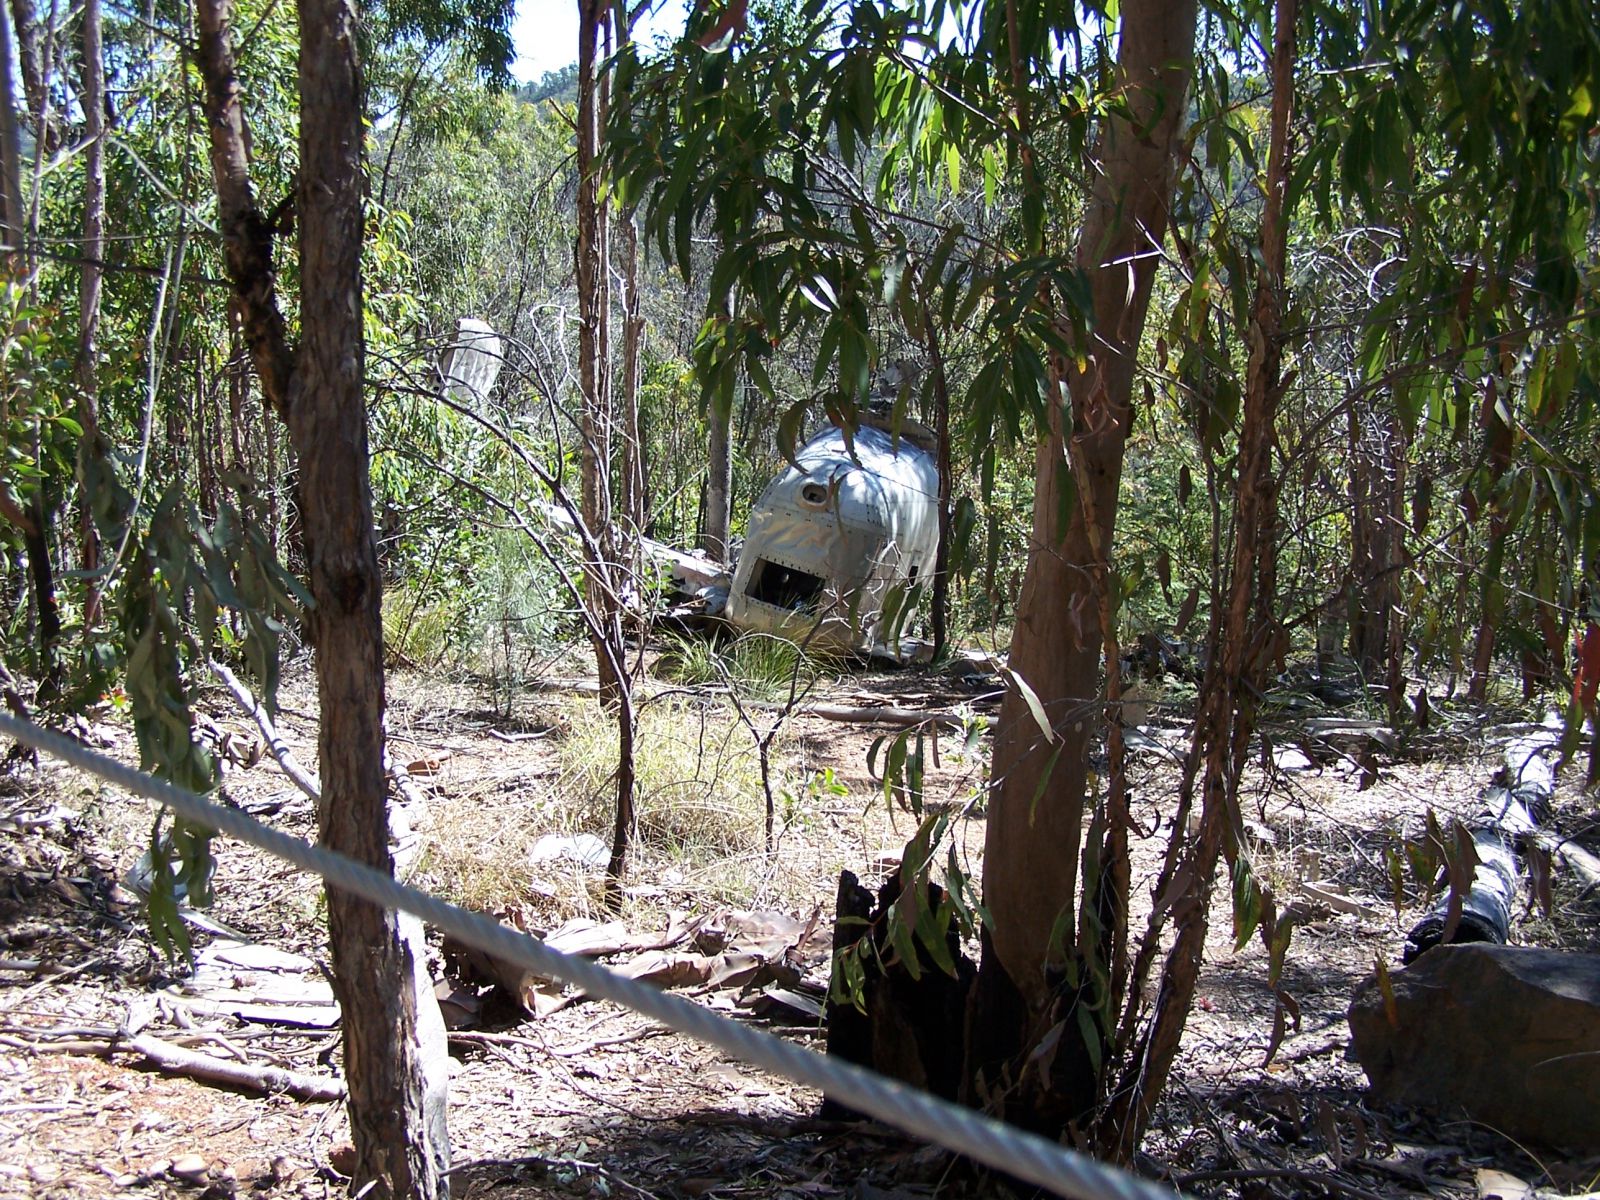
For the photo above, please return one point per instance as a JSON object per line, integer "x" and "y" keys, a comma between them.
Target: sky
{"x": 545, "y": 33}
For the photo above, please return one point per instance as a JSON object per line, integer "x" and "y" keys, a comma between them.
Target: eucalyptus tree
{"x": 1068, "y": 1027}
{"x": 1466, "y": 139}
{"x": 315, "y": 387}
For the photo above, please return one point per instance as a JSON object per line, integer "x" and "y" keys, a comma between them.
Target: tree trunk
{"x": 397, "y": 1113}
{"x": 719, "y": 479}
{"x": 1037, "y": 786}
{"x": 939, "y": 601}
{"x": 1233, "y": 680}
{"x": 15, "y": 212}
{"x": 36, "y": 543}
{"x": 635, "y": 503}
{"x": 246, "y": 232}
{"x": 634, "y": 499}
{"x": 594, "y": 332}
{"x": 94, "y": 227}
{"x": 1377, "y": 490}
{"x": 30, "y": 62}
{"x": 602, "y": 577}
{"x": 397, "y": 1100}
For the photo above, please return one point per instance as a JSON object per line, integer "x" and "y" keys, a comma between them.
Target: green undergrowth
{"x": 758, "y": 665}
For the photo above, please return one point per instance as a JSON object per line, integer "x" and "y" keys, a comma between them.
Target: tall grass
{"x": 758, "y": 665}
{"x": 699, "y": 786}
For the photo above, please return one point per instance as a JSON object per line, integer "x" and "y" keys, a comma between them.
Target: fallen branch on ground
{"x": 1583, "y": 864}
{"x": 205, "y": 1068}
{"x": 285, "y": 758}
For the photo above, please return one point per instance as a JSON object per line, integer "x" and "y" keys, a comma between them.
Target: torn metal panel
{"x": 828, "y": 545}
{"x": 472, "y": 362}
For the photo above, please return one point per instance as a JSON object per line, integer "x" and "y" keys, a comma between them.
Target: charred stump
{"x": 910, "y": 1023}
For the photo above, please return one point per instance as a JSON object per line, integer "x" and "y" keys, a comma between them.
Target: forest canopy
{"x": 1260, "y": 334}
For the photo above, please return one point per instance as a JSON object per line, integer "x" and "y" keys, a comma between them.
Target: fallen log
{"x": 206, "y": 1068}
{"x": 1511, "y": 811}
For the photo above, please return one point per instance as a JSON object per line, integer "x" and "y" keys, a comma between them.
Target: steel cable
{"x": 1004, "y": 1147}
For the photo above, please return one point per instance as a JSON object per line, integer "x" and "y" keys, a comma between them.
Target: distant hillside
{"x": 560, "y": 85}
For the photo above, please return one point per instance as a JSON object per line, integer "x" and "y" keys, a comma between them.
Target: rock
{"x": 189, "y": 1167}
{"x": 1509, "y": 1035}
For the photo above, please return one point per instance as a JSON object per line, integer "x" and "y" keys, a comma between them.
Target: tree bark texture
{"x": 635, "y": 502}
{"x": 719, "y": 480}
{"x": 939, "y": 601}
{"x": 30, "y": 54}
{"x": 1038, "y": 782}
{"x": 246, "y": 232}
{"x": 397, "y": 1100}
{"x": 594, "y": 326}
{"x": 1227, "y": 715}
{"x": 602, "y": 575}
{"x": 1377, "y": 533}
{"x": 397, "y": 1113}
{"x": 15, "y": 213}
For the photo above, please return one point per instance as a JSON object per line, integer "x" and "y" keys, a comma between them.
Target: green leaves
{"x": 224, "y": 577}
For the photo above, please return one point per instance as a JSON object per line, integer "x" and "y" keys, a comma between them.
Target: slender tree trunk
{"x": 1038, "y": 781}
{"x": 397, "y": 1101}
{"x": 246, "y": 232}
{"x": 719, "y": 479}
{"x": 1497, "y": 447}
{"x": 1227, "y": 717}
{"x": 635, "y": 503}
{"x": 29, "y": 55}
{"x": 939, "y": 601}
{"x": 94, "y": 225}
{"x": 634, "y": 499}
{"x": 1491, "y": 611}
{"x": 594, "y": 333}
{"x": 1377, "y": 487}
{"x": 602, "y": 577}
{"x": 15, "y": 212}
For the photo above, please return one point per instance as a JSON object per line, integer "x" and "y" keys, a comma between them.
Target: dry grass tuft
{"x": 699, "y": 785}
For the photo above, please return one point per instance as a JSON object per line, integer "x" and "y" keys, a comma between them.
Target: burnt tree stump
{"x": 913, "y": 1028}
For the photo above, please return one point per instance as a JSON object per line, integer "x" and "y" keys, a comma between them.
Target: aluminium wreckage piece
{"x": 834, "y": 546}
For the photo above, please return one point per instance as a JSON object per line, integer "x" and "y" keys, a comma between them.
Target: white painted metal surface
{"x": 828, "y": 545}
{"x": 472, "y": 362}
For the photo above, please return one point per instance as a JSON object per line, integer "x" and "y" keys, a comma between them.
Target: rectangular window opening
{"x": 784, "y": 587}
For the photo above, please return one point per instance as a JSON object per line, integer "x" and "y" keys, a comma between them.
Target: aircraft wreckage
{"x": 835, "y": 549}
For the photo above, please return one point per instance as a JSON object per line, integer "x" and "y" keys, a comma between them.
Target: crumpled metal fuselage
{"x": 830, "y": 546}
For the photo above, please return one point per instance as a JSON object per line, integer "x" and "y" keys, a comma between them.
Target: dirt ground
{"x": 590, "y": 1101}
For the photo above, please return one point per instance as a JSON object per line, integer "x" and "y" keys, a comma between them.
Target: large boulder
{"x": 1507, "y": 1035}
